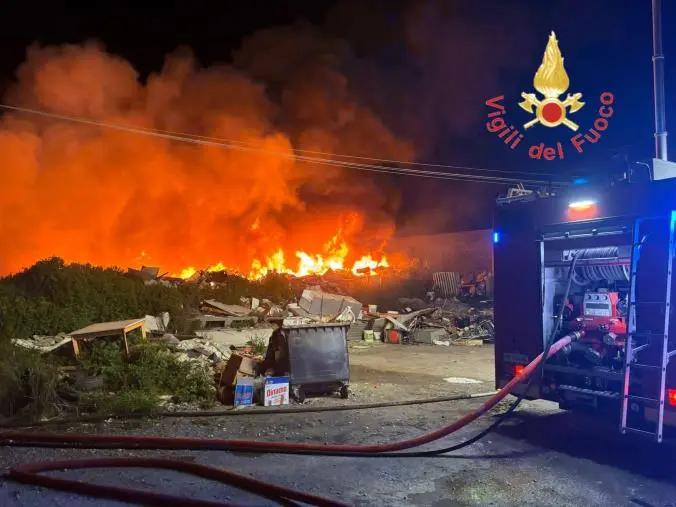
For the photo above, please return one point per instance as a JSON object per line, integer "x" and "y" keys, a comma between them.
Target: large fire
{"x": 98, "y": 195}
{"x": 333, "y": 259}
{"x": 334, "y": 255}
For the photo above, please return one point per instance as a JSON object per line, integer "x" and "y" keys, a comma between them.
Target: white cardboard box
{"x": 276, "y": 391}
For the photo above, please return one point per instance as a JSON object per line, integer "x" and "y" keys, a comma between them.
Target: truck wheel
{"x": 299, "y": 394}
{"x": 344, "y": 393}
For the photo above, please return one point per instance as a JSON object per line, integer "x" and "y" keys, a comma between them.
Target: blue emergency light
{"x": 496, "y": 237}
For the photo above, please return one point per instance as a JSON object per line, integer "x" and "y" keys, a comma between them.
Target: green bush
{"x": 29, "y": 385}
{"x": 150, "y": 372}
{"x": 125, "y": 402}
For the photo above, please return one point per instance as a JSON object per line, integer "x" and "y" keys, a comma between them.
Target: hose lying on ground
{"x": 30, "y": 474}
{"x": 558, "y": 323}
{"x": 252, "y": 411}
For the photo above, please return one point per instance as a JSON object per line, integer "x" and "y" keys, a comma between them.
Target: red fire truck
{"x": 597, "y": 260}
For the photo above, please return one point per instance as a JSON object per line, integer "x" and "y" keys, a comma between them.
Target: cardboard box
{"x": 325, "y": 304}
{"x": 226, "y": 395}
{"x": 244, "y": 391}
{"x": 238, "y": 366}
{"x": 276, "y": 391}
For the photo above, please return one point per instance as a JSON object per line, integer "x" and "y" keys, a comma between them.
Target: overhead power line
{"x": 357, "y": 157}
{"x": 296, "y": 156}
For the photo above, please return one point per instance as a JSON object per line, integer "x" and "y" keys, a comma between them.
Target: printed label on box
{"x": 244, "y": 392}
{"x": 276, "y": 391}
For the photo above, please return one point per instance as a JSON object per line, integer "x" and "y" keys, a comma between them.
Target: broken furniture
{"x": 105, "y": 329}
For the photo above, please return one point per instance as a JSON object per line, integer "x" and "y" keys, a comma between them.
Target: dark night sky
{"x": 425, "y": 68}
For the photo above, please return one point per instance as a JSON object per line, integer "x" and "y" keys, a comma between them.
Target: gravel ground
{"x": 542, "y": 457}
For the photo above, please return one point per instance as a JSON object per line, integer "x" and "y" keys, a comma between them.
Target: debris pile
{"x": 451, "y": 322}
{"x": 199, "y": 349}
{"x": 43, "y": 344}
{"x": 235, "y": 346}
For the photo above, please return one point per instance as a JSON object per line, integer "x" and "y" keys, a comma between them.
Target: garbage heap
{"x": 449, "y": 322}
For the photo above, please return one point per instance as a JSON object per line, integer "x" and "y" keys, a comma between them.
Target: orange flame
{"x": 369, "y": 263}
{"x": 333, "y": 258}
{"x": 114, "y": 198}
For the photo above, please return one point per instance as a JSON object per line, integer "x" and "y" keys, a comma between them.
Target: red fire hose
{"x": 29, "y": 473}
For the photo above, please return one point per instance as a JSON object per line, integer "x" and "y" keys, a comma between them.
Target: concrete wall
{"x": 455, "y": 251}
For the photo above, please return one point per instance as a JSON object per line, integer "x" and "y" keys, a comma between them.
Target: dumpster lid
{"x": 291, "y": 323}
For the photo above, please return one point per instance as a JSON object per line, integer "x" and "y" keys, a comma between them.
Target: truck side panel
{"x": 518, "y": 286}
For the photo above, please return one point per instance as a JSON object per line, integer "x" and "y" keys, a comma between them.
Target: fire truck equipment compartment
{"x": 620, "y": 298}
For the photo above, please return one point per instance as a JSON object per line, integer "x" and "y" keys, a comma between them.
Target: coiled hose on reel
{"x": 583, "y": 275}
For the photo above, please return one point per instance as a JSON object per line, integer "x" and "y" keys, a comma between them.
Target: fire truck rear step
{"x": 639, "y": 432}
{"x": 648, "y": 366}
{"x": 652, "y": 401}
{"x": 632, "y": 351}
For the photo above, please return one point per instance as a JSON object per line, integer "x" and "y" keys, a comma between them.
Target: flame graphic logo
{"x": 552, "y": 81}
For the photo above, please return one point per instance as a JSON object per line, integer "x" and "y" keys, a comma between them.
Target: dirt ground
{"x": 381, "y": 372}
{"x": 541, "y": 457}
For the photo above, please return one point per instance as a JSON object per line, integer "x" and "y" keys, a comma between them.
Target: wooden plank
{"x": 126, "y": 345}
{"x": 136, "y": 325}
{"x": 76, "y": 347}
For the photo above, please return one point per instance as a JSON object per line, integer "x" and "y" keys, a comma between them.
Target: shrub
{"x": 151, "y": 371}
{"x": 127, "y": 401}
{"x": 28, "y": 384}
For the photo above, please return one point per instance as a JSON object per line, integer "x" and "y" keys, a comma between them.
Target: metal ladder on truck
{"x": 638, "y": 341}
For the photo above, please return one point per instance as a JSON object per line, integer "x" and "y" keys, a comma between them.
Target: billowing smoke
{"x": 110, "y": 197}
{"x": 399, "y": 80}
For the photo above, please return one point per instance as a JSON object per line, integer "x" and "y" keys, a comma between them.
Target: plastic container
{"x": 319, "y": 359}
{"x": 368, "y": 335}
{"x": 244, "y": 391}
